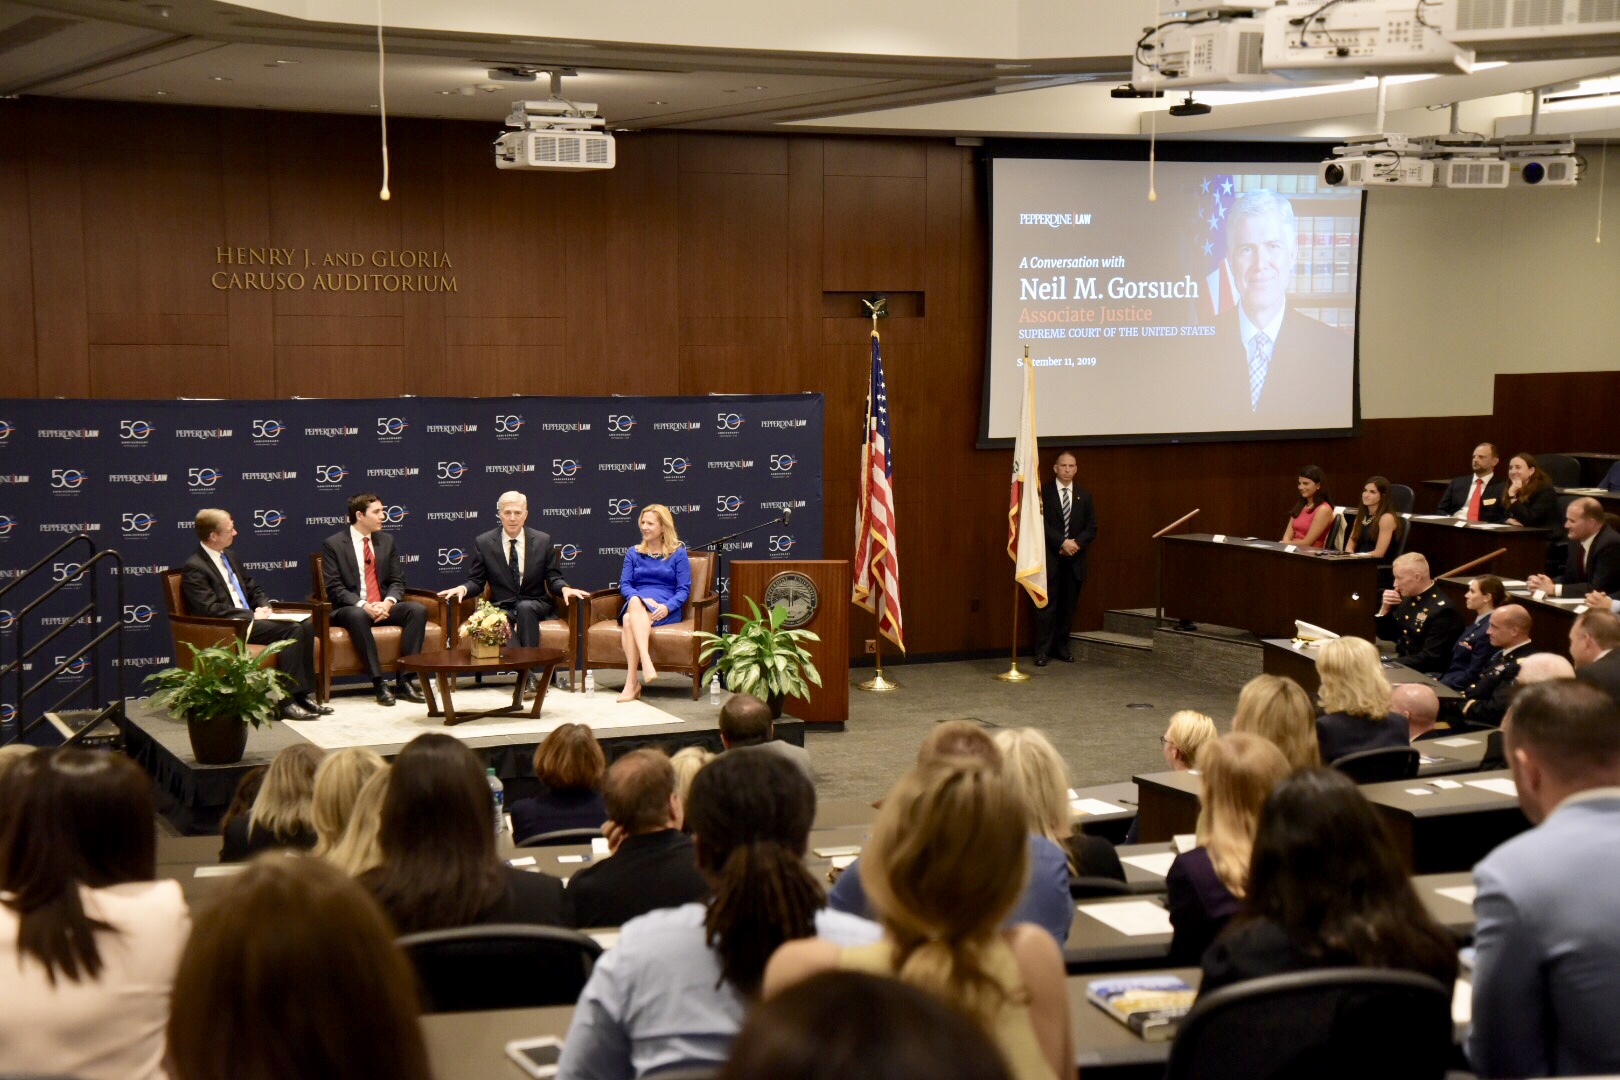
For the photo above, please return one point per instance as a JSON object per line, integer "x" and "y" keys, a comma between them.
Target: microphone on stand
{"x": 787, "y": 515}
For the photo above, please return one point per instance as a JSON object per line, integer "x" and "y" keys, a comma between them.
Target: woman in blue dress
{"x": 655, "y": 582}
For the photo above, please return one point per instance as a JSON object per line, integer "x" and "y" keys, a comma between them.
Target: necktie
{"x": 373, "y": 590}
{"x": 1064, "y": 498}
{"x": 512, "y": 561}
{"x": 1580, "y": 561}
{"x": 1259, "y": 360}
{"x": 236, "y": 586}
{"x": 1474, "y": 497}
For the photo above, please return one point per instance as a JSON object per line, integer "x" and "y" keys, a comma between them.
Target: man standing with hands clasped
{"x": 1071, "y": 527}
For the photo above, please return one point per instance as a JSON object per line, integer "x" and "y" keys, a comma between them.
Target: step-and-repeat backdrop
{"x": 133, "y": 474}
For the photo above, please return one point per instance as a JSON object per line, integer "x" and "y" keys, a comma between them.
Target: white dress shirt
{"x": 238, "y": 596}
{"x": 522, "y": 550}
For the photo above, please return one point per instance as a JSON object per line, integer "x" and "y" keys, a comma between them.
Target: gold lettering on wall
{"x": 351, "y": 270}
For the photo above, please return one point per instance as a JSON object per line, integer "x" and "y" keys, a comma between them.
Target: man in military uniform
{"x": 1486, "y": 700}
{"x": 1418, "y": 618}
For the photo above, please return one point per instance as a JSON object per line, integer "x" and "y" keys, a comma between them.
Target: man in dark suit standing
{"x": 1477, "y": 496}
{"x": 1594, "y": 554}
{"x": 521, "y": 569}
{"x": 216, "y": 585}
{"x": 366, "y": 588}
{"x": 1071, "y": 526}
{"x": 1594, "y": 645}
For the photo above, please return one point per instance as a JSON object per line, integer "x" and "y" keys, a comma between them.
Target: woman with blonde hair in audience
{"x": 686, "y": 762}
{"x": 1355, "y": 700}
{"x": 1277, "y": 709}
{"x": 1186, "y": 736}
{"x": 1205, "y": 886}
{"x": 338, "y": 781}
{"x": 358, "y": 849}
{"x": 1036, "y": 769}
{"x": 293, "y": 974}
{"x": 281, "y": 811}
{"x": 570, "y": 764}
{"x": 946, "y": 863}
{"x": 89, "y": 942}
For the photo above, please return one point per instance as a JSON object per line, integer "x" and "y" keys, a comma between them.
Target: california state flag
{"x": 1026, "y": 529}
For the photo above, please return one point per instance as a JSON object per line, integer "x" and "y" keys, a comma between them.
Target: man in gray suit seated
{"x": 1547, "y": 933}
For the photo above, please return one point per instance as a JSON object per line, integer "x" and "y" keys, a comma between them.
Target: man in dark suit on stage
{"x": 217, "y": 586}
{"x": 1276, "y": 363}
{"x": 1071, "y": 526}
{"x": 1594, "y": 645}
{"x": 1594, "y": 554}
{"x": 1477, "y": 496}
{"x": 521, "y": 569}
{"x": 366, "y": 588}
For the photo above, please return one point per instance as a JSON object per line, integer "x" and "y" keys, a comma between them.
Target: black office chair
{"x": 475, "y": 968}
{"x": 1561, "y": 469}
{"x": 1402, "y": 498}
{"x": 561, "y": 836}
{"x": 1090, "y": 888}
{"x": 1332, "y": 1024}
{"x": 1495, "y": 756}
{"x": 1377, "y": 766}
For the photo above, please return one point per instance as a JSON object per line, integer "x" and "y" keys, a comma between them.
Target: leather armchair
{"x": 674, "y": 646}
{"x": 555, "y": 633}
{"x": 335, "y": 652}
{"x": 205, "y": 631}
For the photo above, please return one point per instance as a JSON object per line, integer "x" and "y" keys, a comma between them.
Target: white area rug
{"x": 360, "y": 721}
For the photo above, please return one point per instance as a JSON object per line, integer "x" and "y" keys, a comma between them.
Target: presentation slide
{"x": 1224, "y": 308}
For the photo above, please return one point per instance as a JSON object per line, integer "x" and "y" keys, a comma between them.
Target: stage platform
{"x": 194, "y": 797}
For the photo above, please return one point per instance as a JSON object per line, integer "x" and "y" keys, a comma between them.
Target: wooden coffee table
{"x": 447, "y": 664}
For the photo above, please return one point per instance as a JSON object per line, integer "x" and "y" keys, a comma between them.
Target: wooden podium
{"x": 816, "y": 591}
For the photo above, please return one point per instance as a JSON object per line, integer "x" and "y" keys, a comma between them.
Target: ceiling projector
{"x": 555, "y": 135}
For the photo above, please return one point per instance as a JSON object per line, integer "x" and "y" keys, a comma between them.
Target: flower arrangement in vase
{"x": 486, "y": 630}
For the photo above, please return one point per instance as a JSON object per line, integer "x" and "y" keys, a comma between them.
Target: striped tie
{"x": 1063, "y": 494}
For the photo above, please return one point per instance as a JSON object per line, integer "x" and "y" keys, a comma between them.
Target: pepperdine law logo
{"x": 409, "y": 559}
{"x": 558, "y": 427}
{"x": 796, "y": 423}
{"x": 684, "y": 508}
{"x": 135, "y": 432}
{"x": 137, "y": 525}
{"x": 619, "y": 551}
{"x": 330, "y": 477}
{"x": 279, "y": 474}
{"x": 568, "y": 554}
{"x": 738, "y": 545}
{"x": 201, "y": 481}
{"x": 782, "y": 504}
{"x": 782, "y": 465}
{"x": 508, "y": 425}
{"x": 138, "y": 478}
{"x": 677, "y": 425}
{"x": 390, "y": 429}
{"x": 450, "y": 429}
{"x": 450, "y": 558}
{"x": 67, "y": 481}
{"x": 736, "y": 463}
{"x": 202, "y": 433}
{"x": 394, "y": 516}
{"x": 268, "y": 522}
{"x": 728, "y": 423}
{"x": 138, "y": 615}
{"x": 451, "y": 473}
{"x": 267, "y": 432}
{"x": 152, "y": 570}
{"x": 72, "y": 528}
{"x": 142, "y": 661}
{"x": 566, "y": 511}
{"x": 394, "y": 472}
{"x": 273, "y": 564}
{"x": 564, "y": 470}
{"x": 331, "y": 432}
{"x": 13, "y": 478}
{"x": 621, "y": 466}
{"x": 620, "y": 425}
{"x": 326, "y": 519}
{"x": 780, "y": 545}
{"x": 728, "y": 506}
{"x": 675, "y": 468}
{"x": 68, "y": 433}
{"x": 621, "y": 509}
{"x": 452, "y": 515}
{"x": 508, "y": 470}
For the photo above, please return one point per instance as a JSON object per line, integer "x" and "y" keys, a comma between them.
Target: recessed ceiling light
{"x": 759, "y": 88}
{"x": 279, "y": 62}
{"x": 219, "y": 78}
{"x": 658, "y": 103}
{"x": 160, "y": 93}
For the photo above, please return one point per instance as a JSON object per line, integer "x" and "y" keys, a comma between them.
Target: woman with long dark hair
{"x": 1473, "y": 649}
{"x": 1530, "y": 498}
{"x": 437, "y": 836}
{"x": 1312, "y": 516}
{"x": 89, "y": 943}
{"x": 674, "y": 990}
{"x": 1377, "y": 524}
{"x": 1326, "y": 889}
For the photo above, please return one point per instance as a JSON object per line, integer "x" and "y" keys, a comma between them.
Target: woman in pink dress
{"x": 1312, "y": 516}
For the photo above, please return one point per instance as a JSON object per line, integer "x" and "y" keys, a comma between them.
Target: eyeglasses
{"x": 1166, "y": 742}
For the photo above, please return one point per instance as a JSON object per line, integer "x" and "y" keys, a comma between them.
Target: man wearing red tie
{"x": 367, "y": 588}
{"x": 1477, "y": 496}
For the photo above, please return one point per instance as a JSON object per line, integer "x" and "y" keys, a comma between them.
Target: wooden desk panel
{"x": 1447, "y": 830}
{"x": 1447, "y": 544}
{"x": 1260, "y": 587}
{"x": 1168, "y": 805}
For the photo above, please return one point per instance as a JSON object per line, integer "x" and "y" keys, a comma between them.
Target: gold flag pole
{"x": 877, "y": 684}
{"x": 1012, "y": 674}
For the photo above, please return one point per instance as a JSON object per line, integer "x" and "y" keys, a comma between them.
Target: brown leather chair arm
{"x": 602, "y": 605}
{"x": 705, "y": 616}
{"x": 438, "y": 607}
{"x": 202, "y": 632}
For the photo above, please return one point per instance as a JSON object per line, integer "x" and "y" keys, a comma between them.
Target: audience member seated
{"x": 1547, "y": 909}
{"x": 1312, "y": 516}
{"x": 1601, "y": 601}
{"x": 1045, "y": 901}
{"x": 292, "y": 974}
{"x": 357, "y": 850}
{"x": 1277, "y": 709}
{"x": 439, "y": 868}
{"x": 1326, "y": 889}
{"x": 686, "y": 762}
{"x": 1593, "y": 644}
{"x": 1355, "y": 697}
{"x": 1204, "y": 887}
{"x": 1419, "y": 705}
{"x": 1188, "y": 733}
{"x": 89, "y": 943}
{"x": 1477, "y": 496}
{"x": 946, "y": 863}
{"x": 1611, "y": 479}
{"x": 1419, "y": 618}
{"x": 569, "y": 764}
{"x": 1542, "y": 667}
{"x": 673, "y": 991}
{"x": 1377, "y": 525}
{"x": 280, "y": 817}
{"x": 653, "y": 865}
{"x": 1530, "y": 498}
{"x": 338, "y": 781}
{"x": 842, "y": 1024}
{"x": 11, "y": 755}
{"x": 1473, "y": 649}
{"x": 241, "y": 804}
{"x": 745, "y": 720}
{"x": 1593, "y": 563}
{"x": 1485, "y": 701}
{"x": 1036, "y": 770}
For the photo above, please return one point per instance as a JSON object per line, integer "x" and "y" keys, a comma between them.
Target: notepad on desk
{"x": 1095, "y": 807}
{"x": 1133, "y": 918}
{"x": 1501, "y": 785}
{"x": 1157, "y": 864}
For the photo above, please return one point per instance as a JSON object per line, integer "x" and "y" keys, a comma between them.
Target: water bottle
{"x": 590, "y": 683}
{"x": 497, "y": 793}
{"x": 714, "y": 690}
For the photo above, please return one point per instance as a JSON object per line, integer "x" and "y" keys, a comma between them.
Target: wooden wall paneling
{"x": 875, "y": 233}
{"x": 17, "y": 360}
{"x": 802, "y": 352}
{"x": 340, "y": 330}
{"x": 642, "y": 270}
{"x": 244, "y": 197}
{"x": 421, "y": 228}
{"x": 877, "y": 157}
{"x": 716, "y": 153}
{"x": 942, "y": 270}
{"x": 733, "y": 244}
{"x": 585, "y": 281}
{"x": 340, "y": 371}
{"x": 485, "y": 370}
{"x": 56, "y": 237}
{"x": 1574, "y": 401}
{"x": 161, "y": 370}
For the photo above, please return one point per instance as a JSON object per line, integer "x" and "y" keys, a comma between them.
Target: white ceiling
{"x": 1018, "y": 68}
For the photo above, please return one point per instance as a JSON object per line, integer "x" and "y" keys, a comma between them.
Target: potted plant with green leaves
{"x": 761, "y": 658}
{"x": 226, "y": 688}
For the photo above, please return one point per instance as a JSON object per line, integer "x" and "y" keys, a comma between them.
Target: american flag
{"x": 1215, "y": 197}
{"x": 877, "y": 565}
